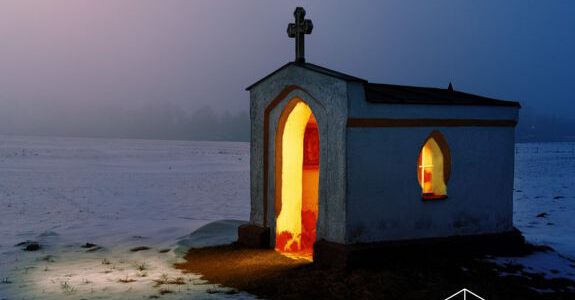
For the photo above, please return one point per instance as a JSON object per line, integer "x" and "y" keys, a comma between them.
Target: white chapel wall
{"x": 384, "y": 196}
{"x": 327, "y": 98}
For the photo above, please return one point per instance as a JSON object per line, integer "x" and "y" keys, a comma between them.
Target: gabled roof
{"x": 401, "y": 94}
{"x": 314, "y": 68}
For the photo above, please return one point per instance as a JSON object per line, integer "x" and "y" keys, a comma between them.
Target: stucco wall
{"x": 327, "y": 97}
{"x": 384, "y": 196}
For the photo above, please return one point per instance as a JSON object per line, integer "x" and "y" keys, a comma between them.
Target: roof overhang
{"x": 313, "y": 68}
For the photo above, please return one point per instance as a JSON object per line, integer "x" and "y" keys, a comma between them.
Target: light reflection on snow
{"x": 111, "y": 275}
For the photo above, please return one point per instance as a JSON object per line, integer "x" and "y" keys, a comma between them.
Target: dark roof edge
{"x": 504, "y": 103}
{"x": 477, "y": 100}
{"x": 311, "y": 67}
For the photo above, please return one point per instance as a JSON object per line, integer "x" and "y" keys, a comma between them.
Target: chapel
{"x": 340, "y": 163}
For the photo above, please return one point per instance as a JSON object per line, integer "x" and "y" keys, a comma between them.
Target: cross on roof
{"x": 297, "y": 30}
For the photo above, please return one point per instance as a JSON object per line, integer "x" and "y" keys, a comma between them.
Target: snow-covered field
{"x": 117, "y": 194}
{"x": 122, "y": 194}
{"x": 544, "y": 206}
{"x": 545, "y": 184}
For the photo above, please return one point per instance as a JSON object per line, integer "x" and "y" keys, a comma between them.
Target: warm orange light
{"x": 296, "y": 222}
{"x": 430, "y": 171}
{"x": 310, "y": 184}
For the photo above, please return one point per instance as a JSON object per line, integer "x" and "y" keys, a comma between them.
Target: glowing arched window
{"x": 433, "y": 167}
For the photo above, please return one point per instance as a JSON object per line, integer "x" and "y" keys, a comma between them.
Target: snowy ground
{"x": 545, "y": 184}
{"x": 544, "y": 206}
{"x": 121, "y": 194}
{"x": 118, "y": 194}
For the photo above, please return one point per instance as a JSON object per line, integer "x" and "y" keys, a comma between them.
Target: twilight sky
{"x": 62, "y": 58}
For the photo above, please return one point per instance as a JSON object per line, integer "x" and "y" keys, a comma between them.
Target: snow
{"x": 550, "y": 264}
{"x": 118, "y": 194}
{"x": 121, "y": 194}
{"x": 222, "y": 232}
{"x": 545, "y": 183}
{"x": 544, "y": 207}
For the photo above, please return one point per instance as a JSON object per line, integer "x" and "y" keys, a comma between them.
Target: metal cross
{"x": 297, "y": 30}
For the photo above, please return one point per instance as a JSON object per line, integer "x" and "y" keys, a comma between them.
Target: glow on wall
{"x": 297, "y": 177}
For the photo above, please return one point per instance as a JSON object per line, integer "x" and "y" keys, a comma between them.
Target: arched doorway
{"x": 296, "y": 179}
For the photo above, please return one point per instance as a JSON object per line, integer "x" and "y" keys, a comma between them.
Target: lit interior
{"x": 296, "y": 221}
{"x": 430, "y": 171}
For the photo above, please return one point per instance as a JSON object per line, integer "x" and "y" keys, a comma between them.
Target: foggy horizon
{"x": 91, "y": 68}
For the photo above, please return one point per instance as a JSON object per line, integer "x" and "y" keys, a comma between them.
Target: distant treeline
{"x": 166, "y": 120}
{"x": 201, "y": 124}
{"x": 537, "y": 127}
{"x": 160, "y": 120}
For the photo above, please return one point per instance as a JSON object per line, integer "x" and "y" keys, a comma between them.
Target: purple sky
{"x": 61, "y": 58}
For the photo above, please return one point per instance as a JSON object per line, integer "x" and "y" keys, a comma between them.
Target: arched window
{"x": 434, "y": 167}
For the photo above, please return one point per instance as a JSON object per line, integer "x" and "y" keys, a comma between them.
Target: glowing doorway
{"x": 297, "y": 180}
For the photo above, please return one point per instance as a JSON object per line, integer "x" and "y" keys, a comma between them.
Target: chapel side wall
{"x": 384, "y": 196}
{"x": 330, "y": 109}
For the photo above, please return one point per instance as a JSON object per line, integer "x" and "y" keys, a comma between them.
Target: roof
{"x": 314, "y": 68}
{"x": 401, "y": 94}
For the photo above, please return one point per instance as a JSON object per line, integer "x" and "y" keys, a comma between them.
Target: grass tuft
{"x": 164, "y": 291}
{"x": 141, "y": 267}
{"x": 67, "y": 288}
{"x": 126, "y": 279}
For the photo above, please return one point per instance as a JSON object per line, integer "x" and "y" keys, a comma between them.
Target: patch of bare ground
{"x": 434, "y": 275}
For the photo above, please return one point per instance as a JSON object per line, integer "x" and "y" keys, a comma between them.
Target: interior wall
{"x": 310, "y": 178}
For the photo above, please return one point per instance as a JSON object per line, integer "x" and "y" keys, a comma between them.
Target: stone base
{"x": 254, "y": 236}
{"x": 344, "y": 256}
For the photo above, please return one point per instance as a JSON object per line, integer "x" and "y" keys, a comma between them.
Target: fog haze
{"x": 127, "y": 68}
